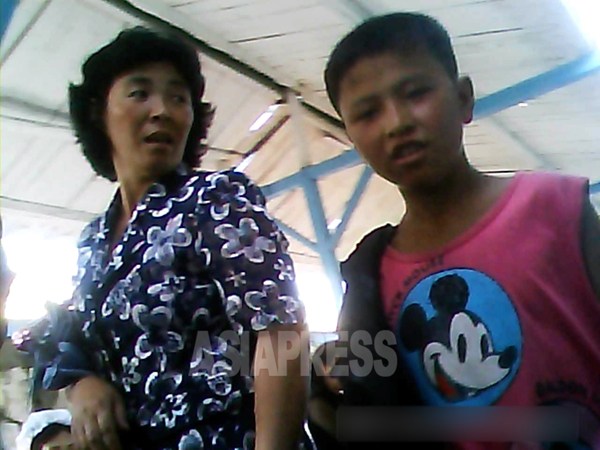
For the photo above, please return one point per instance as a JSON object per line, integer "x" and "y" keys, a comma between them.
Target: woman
{"x": 182, "y": 271}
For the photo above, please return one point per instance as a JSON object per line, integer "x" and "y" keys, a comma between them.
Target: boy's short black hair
{"x": 401, "y": 33}
{"x": 132, "y": 48}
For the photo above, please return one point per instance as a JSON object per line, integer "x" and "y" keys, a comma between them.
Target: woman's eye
{"x": 180, "y": 98}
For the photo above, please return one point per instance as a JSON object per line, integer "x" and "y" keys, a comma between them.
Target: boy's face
{"x": 405, "y": 116}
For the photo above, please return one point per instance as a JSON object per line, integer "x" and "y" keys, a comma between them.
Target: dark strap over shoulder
{"x": 362, "y": 313}
{"x": 361, "y": 309}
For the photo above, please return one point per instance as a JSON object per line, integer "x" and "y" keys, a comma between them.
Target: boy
{"x": 490, "y": 285}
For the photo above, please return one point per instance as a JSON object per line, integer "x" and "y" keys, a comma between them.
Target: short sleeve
{"x": 248, "y": 254}
{"x": 59, "y": 347}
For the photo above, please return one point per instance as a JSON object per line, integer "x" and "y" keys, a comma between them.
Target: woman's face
{"x": 148, "y": 118}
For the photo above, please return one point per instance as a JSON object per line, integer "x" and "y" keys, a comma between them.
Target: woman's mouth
{"x": 159, "y": 137}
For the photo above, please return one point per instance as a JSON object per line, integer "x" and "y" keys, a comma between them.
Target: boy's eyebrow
{"x": 398, "y": 85}
{"x": 364, "y": 101}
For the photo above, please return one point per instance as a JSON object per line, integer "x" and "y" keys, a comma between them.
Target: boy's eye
{"x": 366, "y": 114}
{"x": 418, "y": 92}
{"x": 139, "y": 94}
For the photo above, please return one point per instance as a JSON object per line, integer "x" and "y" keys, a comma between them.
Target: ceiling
{"x": 257, "y": 53}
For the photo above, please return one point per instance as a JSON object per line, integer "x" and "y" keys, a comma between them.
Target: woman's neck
{"x": 132, "y": 193}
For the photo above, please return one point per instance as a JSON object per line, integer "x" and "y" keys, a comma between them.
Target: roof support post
{"x": 308, "y": 182}
{"x": 7, "y": 8}
{"x": 352, "y": 203}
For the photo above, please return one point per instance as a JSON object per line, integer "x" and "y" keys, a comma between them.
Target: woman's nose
{"x": 158, "y": 107}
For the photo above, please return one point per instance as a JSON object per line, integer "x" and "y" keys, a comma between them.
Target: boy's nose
{"x": 399, "y": 119}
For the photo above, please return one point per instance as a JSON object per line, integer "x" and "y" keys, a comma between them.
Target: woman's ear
{"x": 466, "y": 96}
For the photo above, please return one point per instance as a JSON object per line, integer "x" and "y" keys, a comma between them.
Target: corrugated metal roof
{"x": 498, "y": 42}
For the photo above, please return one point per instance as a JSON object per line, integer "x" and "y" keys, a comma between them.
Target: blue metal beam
{"x": 349, "y": 158}
{"x": 288, "y": 230}
{"x": 536, "y": 86}
{"x": 539, "y": 85}
{"x": 352, "y": 203}
{"x": 324, "y": 241}
{"x": 7, "y": 8}
{"x": 284, "y": 185}
{"x": 595, "y": 188}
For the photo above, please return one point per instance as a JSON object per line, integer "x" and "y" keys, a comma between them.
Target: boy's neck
{"x": 438, "y": 215}
{"x": 446, "y": 199}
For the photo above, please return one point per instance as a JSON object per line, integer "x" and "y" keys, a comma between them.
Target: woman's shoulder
{"x": 225, "y": 184}
{"x": 199, "y": 176}
{"x": 90, "y": 230}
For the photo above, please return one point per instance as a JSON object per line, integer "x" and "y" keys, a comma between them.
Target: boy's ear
{"x": 467, "y": 98}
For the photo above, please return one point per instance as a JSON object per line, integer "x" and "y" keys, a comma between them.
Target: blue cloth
{"x": 200, "y": 258}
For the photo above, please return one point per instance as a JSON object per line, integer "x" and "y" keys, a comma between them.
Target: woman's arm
{"x": 249, "y": 259}
{"x": 281, "y": 386}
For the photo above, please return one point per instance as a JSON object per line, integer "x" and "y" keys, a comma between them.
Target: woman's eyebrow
{"x": 139, "y": 79}
{"x": 147, "y": 81}
{"x": 177, "y": 82}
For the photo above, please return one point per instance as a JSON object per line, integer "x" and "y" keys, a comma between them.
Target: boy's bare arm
{"x": 590, "y": 242}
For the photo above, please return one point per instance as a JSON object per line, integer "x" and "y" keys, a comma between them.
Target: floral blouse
{"x": 170, "y": 315}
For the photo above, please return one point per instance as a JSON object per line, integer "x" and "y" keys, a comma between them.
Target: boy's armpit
{"x": 590, "y": 244}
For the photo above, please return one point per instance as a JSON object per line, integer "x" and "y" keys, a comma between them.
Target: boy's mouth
{"x": 407, "y": 151}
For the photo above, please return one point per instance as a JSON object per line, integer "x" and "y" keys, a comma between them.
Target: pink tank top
{"x": 505, "y": 313}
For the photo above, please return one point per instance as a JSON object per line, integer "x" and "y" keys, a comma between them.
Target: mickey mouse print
{"x": 461, "y": 336}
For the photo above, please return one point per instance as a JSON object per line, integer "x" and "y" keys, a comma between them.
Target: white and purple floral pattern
{"x": 199, "y": 255}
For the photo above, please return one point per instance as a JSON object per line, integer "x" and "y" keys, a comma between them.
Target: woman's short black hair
{"x": 401, "y": 33}
{"x": 132, "y": 48}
